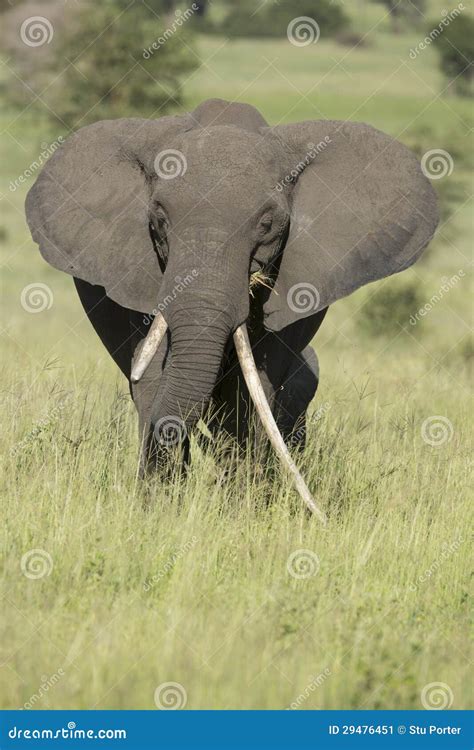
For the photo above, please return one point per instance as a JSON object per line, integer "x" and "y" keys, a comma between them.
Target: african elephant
{"x": 233, "y": 237}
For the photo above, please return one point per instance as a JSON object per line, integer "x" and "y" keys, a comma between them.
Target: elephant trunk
{"x": 199, "y": 333}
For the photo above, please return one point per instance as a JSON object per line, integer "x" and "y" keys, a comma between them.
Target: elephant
{"x": 207, "y": 247}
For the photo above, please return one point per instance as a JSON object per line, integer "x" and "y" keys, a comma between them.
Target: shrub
{"x": 272, "y": 19}
{"x": 390, "y": 307}
{"x": 455, "y": 47}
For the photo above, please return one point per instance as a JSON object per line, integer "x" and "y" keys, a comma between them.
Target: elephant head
{"x": 320, "y": 207}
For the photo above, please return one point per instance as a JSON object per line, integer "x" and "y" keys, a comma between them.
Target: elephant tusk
{"x": 247, "y": 363}
{"x": 150, "y": 346}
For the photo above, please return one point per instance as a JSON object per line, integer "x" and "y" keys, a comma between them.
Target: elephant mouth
{"x": 260, "y": 278}
{"x": 249, "y": 370}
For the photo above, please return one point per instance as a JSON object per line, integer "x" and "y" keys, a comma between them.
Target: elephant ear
{"x": 89, "y": 208}
{"x": 361, "y": 209}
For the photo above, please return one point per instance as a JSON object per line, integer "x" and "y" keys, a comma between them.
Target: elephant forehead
{"x": 227, "y": 148}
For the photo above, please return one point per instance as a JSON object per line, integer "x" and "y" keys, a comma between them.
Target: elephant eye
{"x": 266, "y": 222}
{"x": 160, "y": 221}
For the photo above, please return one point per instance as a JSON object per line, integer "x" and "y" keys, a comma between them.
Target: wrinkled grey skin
{"x": 327, "y": 204}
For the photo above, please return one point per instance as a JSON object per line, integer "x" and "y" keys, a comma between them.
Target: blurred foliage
{"x": 423, "y": 137}
{"x": 76, "y": 81}
{"x": 455, "y": 46}
{"x": 404, "y": 13}
{"x": 272, "y": 18}
{"x": 451, "y": 193}
{"x": 389, "y": 308}
{"x": 465, "y": 350}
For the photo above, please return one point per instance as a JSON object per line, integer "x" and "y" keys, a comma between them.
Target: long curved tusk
{"x": 150, "y": 345}
{"x": 247, "y": 363}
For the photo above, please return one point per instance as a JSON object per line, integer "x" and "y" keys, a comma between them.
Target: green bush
{"x": 404, "y": 14}
{"x": 271, "y": 20}
{"x": 389, "y": 308}
{"x": 455, "y": 46}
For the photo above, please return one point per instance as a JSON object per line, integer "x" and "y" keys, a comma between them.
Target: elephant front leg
{"x": 294, "y": 395}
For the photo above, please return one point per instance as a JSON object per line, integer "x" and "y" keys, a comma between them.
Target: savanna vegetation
{"x": 111, "y": 587}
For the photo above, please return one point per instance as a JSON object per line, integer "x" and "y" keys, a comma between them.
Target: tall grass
{"x": 189, "y": 581}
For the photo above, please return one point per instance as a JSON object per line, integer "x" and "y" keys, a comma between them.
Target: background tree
{"x": 403, "y": 12}
{"x": 455, "y": 46}
{"x": 272, "y": 18}
{"x": 92, "y": 66}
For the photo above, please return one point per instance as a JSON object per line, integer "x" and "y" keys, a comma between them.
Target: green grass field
{"x": 111, "y": 588}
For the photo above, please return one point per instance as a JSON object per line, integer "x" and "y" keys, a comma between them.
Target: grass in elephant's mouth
{"x": 259, "y": 278}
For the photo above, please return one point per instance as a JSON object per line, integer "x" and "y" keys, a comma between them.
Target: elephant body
{"x": 213, "y": 221}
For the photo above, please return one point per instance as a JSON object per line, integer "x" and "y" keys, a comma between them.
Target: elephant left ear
{"x": 361, "y": 209}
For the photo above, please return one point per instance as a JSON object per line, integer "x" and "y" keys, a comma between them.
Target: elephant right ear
{"x": 89, "y": 208}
